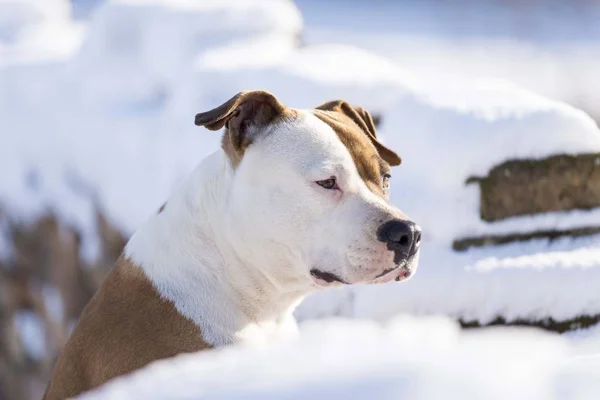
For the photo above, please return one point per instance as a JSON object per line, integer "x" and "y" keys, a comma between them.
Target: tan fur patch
{"x": 239, "y": 134}
{"x": 363, "y": 119}
{"x": 243, "y": 116}
{"x": 371, "y": 167}
{"x": 125, "y": 326}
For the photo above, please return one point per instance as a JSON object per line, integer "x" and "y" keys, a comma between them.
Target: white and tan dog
{"x": 295, "y": 201}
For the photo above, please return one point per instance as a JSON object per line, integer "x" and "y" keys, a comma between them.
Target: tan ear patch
{"x": 363, "y": 119}
{"x": 371, "y": 167}
{"x": 243, "y": 116}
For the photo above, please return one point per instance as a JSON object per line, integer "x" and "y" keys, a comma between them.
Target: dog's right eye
{"x": 329, "y": 184}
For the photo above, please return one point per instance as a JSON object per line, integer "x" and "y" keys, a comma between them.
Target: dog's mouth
{"x": 323, "y": 277}
{"x": 387, "y": 271}
{"x": 397, "y": 273}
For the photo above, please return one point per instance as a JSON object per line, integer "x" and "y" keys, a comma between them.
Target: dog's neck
{"x": 184, "y": 252}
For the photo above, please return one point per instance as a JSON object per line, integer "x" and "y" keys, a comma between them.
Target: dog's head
{"x": 309, "y": 194}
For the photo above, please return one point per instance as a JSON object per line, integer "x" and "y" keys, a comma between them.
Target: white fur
{"x": 233, "y": 250}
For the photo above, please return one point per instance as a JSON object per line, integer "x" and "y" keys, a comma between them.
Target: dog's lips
{"x": 405, "y": 273}
{"x": 387, "y": 271}
{"x": 402, "y": 272}
{"x": 325, "y": 278}
{"x": 398, "y": 273}
{"x": 389, "y": 275}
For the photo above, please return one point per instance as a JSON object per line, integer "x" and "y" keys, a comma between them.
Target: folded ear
{"x": 243, "y": 117}
{"x": 364, "y": 120}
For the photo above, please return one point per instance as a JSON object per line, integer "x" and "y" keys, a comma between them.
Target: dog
{"x": 294, "y": 201}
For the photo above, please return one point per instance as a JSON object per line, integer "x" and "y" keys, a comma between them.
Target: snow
{"x": 53, "y": 303}
{"x": 497, "y": 119}
{"x": 108, "y": 127}
{"x": 36, "y": 30}
{"x": 30, "y": 329}
{"x": 18, "y": 14}
{"x": 409, "y": 358}
{"x": 552, "y": 50}
{"x": 160, "y": 37}
{"x": 308, "y": 77}
{"x": 559, "y": 220}
{"x": 555, "y": 21}
{"x": 530, "y": 281}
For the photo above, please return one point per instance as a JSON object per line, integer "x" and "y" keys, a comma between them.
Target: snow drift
{"x": 37, "y": 31}
{"x": 409, "y": 359}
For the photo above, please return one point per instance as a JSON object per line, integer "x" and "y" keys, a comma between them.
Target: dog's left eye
{"x": 386, "y": 181}
{"x": 328, "y": 183}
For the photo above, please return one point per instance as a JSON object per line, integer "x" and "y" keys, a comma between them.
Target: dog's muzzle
{"x": 402, "y": 238}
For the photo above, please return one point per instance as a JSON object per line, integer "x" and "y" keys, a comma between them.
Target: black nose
{"x": 402, "y": 237}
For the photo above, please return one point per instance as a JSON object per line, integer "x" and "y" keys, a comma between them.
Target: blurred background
{"x": 492, "y": 104}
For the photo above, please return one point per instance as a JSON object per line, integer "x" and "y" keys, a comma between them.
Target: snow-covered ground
{"x": 419, "y": 359}
{"x": 37, "y": 31}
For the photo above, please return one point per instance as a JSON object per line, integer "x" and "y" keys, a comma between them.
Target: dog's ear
{"x": 364, "y": 120}
{"x": 243, "y": 116}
